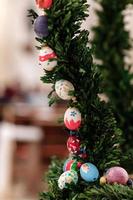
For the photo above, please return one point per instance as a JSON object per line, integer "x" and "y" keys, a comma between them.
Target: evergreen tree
{"x": 112, "y": 44}
{"x": 98, "y": 135}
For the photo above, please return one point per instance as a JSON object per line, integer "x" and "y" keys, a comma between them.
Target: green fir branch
{"x": 98, "y": 132}
{"x": 112, "y": 42}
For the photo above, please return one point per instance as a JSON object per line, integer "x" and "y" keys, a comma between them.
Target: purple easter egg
{"x": 117, "y": 175}
{"x": 41, "y": 26}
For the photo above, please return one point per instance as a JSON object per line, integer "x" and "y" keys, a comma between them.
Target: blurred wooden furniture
{"x": 9, "y": 135}
{"x": 47, "y": 119}
{"x": 52, "y": 143}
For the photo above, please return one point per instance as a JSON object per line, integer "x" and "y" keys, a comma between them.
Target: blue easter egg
{"x": 41, "y": 26}
{"x": 89, "y": 172}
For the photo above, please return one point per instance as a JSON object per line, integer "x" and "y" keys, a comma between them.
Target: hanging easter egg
{"x": 89, "y": 172}
{"x": 63, "y": 89}
{"x": 46, "y": 4}
{"x": 103, "y": 180}
{"x": 71, "y": 164}
{"x": 72, "y": 118}
{"x": 41, "y": 26}
{"x": 46, "y": 58}
{"x": 73, "y": 144}
{"x": 67, "y": 179}
{"x": 117, "y": 175}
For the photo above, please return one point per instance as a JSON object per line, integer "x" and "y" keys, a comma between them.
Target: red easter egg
{"x": 71, "y": 165}
{"x": 117, "y": 175}
{"x": 73, "y": 144}
{"x": 46, "y": 4}
{"x": 72, "y": 118}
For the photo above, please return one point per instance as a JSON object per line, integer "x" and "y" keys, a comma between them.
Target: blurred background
{"x": 28, "y": 127}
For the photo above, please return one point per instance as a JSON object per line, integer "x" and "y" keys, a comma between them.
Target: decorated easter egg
{"x": 73, "y": 144}
{"x": 67, "y": 179}
{"x": 117, "y": 175}
{"x": 41, "y": 26}
{"x": 103, "y": 180}
{"x": 63, "y": 89}
{"x": 46, "y": 4}
{"x": 72, "y": 118}
{"x": 89, "y": 172}
{"x": 47, "y": 58}
{"x": 71, "y": 164}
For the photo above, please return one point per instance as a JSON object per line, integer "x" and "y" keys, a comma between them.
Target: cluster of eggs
{"x": 72, "y": 118}
{"x": 88, "y": 172}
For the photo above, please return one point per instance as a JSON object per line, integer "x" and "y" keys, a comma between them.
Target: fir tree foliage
{"x": 83, "y": 192}
{"x": 112, "y": 42}
{"x": 108, "y": 192}
{"x": 98, "y": 132}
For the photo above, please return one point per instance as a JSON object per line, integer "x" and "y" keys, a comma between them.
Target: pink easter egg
{"x": 117, "y": 175}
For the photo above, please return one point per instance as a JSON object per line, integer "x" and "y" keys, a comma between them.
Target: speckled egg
{"x": 67, "y": 179}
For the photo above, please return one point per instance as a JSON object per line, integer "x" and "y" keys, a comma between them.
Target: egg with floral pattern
{"x": 89, "y": 172}
{"x": 67, "y": 179}
{"x": 73, "y": 144}
{"x": 72, "y": 118}
{"x": 63, "y": 89}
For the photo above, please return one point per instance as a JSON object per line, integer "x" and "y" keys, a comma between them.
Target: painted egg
{"x": 117, "y": 175}
{"x": 103, "y": 180}
{"x": 73, "y": 144}
{"x": 63, "y": 89}
{"x": 67, "y": 179}
{"x": 71, "y": 164}
{"x": 46, "y": 58}
{"x": 72, "y": 118}
{"x": 46, "y": 4}
{"x": 41, "y": 26}
{"x": 89, "y": 172}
